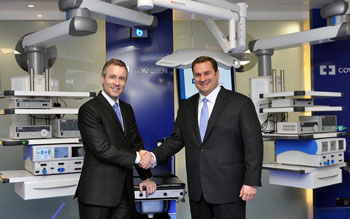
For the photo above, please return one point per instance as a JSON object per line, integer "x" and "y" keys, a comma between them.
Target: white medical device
{"x": 30, "y": 131}
{"x": 54, "y": 159}
{"x": 65, "y": 128}
{"x": 315, "y": 153}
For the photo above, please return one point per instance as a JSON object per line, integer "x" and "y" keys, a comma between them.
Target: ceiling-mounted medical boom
{"x": 337, "y": 14}
{"x": 337, "y": 11}
{"x": 80, "y": 22}
{"x": 209, "y": 10}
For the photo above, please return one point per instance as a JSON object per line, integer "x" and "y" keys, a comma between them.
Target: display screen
{"x": 78, "y": 151}
{"x": 186, "y": 87}
{"x": 61, "y": 152}
{"x": 138, "y": 33}
{"x": 43, "y": 153}
{"x": 69, "y": 125}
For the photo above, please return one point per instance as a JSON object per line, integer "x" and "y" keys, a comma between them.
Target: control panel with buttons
{"x": 54, "y": 159}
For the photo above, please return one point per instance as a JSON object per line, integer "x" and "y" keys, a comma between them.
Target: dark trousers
{"x": 205, "y": 210}
{"x": 123, "y": 210}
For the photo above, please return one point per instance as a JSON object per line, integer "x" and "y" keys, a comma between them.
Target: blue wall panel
{"x": 328, "y": 213}
{"x": 331, "y": 72}
{"x": 150, "y": 88}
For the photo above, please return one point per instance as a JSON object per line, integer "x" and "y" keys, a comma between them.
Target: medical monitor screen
{"x": 186, "y": 87}
{"x": 61, "y": 152}
{"x": 43, "y": 153}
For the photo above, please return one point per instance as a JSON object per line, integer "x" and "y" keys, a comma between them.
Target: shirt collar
{"x": 109, "y": 99}
{"x": 212, "y": 96}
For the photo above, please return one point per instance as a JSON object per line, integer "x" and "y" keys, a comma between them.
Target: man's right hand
{"x": 147, "y": 159}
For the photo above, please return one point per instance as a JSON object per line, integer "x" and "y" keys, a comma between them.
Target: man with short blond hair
{"x": 112, "y": 143}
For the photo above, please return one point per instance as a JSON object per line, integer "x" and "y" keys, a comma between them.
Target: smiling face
{"x": 114, "y": 81}
{"x": 206, "y": 79}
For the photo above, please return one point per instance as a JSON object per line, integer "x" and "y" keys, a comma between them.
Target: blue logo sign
{"x": 327, "y": 70}
{"x": 139, "y": 32}
{"x": 333, "y": 70}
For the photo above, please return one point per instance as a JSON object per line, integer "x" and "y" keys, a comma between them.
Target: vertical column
{"x": 35, "y": 59}
{"x": 264, "y": 61}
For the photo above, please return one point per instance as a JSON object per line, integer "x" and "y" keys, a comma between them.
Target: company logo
{"x": 145, "y": 70}
{"x": 327, "y": 69}
{"x": 139, "y": 32}
{"x": 333, "y": 70}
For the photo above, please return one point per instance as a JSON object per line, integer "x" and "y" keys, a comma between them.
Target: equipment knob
{"x": 44, "y": 133}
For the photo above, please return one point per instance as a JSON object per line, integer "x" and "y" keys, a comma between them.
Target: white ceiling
{"x": 18, "y": 10}
{"x": 257, "y": 10}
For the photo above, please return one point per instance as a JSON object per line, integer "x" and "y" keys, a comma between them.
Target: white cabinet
{"x": 304, "y": 177}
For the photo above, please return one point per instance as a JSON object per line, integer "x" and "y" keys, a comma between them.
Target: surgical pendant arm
{"x": 82, "y": 25}
{"x": 319, "y": 35}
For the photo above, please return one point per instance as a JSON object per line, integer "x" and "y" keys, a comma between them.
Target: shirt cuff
{"x": 138, "y": 158}
{"x": 155, "y": 160}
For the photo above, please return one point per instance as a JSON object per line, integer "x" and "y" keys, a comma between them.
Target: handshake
{"x": 147, "y": 159}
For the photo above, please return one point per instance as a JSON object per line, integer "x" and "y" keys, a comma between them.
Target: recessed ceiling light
{"x": 30, "y": 6}
{"x": 39, "y": 15}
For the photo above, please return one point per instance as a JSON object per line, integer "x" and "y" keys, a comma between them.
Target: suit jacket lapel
{"x": 109, "y": 109}
{"x": 194, "y": 109}
{"x": 215, "y": 114}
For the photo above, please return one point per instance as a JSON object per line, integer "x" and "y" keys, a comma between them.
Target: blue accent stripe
{"x": 306, "y": 146}
{"x": 27, "y": 152}
{"x": 59, "y": 209}
{"x": 182, "y": 84}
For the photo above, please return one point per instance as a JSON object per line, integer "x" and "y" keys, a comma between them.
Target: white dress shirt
{"x": 111, "y": 101}
{"x": 211, "y": 102}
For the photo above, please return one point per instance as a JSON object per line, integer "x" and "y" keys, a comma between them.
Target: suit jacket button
{"x": 202, "y": 150}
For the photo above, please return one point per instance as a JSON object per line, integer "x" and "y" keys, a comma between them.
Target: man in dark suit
{"x": 224, "y": 148}
{"x": 112, "y": 143}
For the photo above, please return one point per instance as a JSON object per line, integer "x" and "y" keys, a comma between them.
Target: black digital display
{"x": 78, "y": 152}
{"x": 138, "y": 33}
